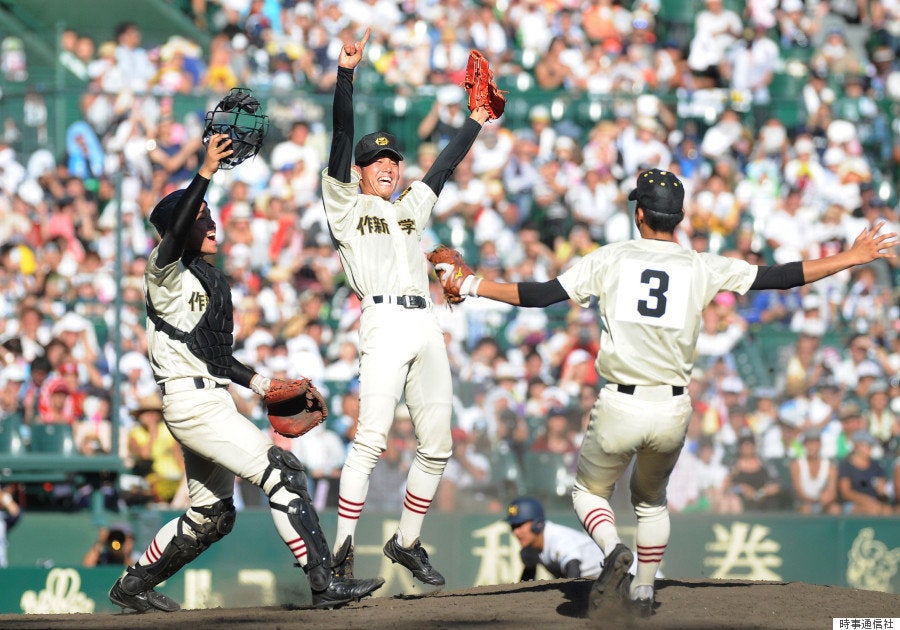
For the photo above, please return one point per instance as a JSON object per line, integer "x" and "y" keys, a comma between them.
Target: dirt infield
{"x": 549, "y": 604}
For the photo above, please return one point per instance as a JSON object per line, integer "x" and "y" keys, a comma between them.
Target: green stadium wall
{"x": 251, "y": 567}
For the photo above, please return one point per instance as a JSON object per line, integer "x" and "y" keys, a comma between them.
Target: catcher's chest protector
{"x": 211, "y": 339}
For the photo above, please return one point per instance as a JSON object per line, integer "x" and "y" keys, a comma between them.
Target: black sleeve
{"x": 541, "y": 293}
{"x": 528, "y": 573}
{"x": 172, "y": 245}
{"x": 572, "y": 569}
{"x": 786, "y": 276}
{"x": 452, "y": 154}
{"x": 342, "y": 119}
{"x": 241, "y": 374}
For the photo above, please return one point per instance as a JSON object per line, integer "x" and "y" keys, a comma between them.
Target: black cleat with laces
{"x": 415, "y": 559}
{"x": 341, "y": 591}
{"x": 132, "y": 592}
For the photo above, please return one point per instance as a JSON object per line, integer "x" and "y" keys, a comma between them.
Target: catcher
{"x": 402, "y": 346}
{"x": 189, "y": 331}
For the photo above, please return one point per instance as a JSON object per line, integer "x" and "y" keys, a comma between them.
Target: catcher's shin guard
{"x": 301, "y": 514}
{"x": 186, "y": 545}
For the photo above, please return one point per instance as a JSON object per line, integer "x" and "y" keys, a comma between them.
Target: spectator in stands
{"x": 175, "y": 157}
{"x": 298, "y": 147}
{"x": 883, "y": 423}
{"x": 861, "y": 479}
{"x": 814, "y": 478}
{"x": 346, "y": 422}
{"x": 468, "y": 476}
{"x": 445, "y": 117}
{"x": 93, "y": 433}
{"x": 556, "y": 435}
{"x": 132, "y": 58}
{"x": 114, "y": 546}
{"x": 834, "y": 57}
{"x": 387, "y": 483}
{"x": 715, "y": 30}
{"x": 10, "y": 513}
{"x": 12, "y": 413}
{"x": 322, "y": 452}
{"x": 156, "y": 453}
{"x": 751, "y": 479}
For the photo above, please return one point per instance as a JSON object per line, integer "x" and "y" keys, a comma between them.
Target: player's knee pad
{"x": 647, "y": 513}
{"x": 190, "y": 540}
{"x": 284, "y": 471}
{"x": 300, "y": 512}
{"x": 218, "y": 521}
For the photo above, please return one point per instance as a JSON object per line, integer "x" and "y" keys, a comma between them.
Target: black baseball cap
{"x": 372, "y": 145}
{"x": 659, "y": 191}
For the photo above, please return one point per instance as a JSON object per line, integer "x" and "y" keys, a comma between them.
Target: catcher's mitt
{"x": 479, "y": 83}
{"x": 294, "y": 406}
{"x": 455, "y": 276}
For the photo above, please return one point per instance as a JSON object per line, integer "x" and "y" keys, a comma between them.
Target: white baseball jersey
{"x": 651, "y": 295}
{"x": 180, "y": 300}
{"x": 563, "y": 544}
{"x": 378, "y": 241}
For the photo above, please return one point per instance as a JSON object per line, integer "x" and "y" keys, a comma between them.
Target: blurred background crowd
{"x": 779, "y": 116}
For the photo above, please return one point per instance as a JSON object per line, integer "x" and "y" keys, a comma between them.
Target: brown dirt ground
{"x": 693, "y": 604}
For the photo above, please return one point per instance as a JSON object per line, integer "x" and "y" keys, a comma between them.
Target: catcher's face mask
{"x": 237, "y": 116}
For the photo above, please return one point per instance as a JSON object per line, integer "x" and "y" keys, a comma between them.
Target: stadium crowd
{"x": 820, "y": 434}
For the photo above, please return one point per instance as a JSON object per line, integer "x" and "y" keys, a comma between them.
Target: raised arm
{"x": 448, "y": 159}
{"x": 188, "y": 204}
{"x": 340, "y": 158}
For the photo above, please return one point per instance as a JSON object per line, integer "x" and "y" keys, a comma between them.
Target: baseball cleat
{"x": 341, "y": 591}
{"x": 142, "y": 599}
{"x": 642, "y": 600}
{"x": 608, "y": 591}
{"x": 415, "y": 559}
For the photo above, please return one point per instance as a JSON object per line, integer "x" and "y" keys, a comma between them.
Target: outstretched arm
{"x": 868, "y": 246}
{"x": 340, "y": 158}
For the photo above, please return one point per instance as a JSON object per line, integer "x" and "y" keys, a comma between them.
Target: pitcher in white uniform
{"x": 402, "y": 348}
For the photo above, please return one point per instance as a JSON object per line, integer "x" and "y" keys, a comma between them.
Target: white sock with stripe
{"x": 653, "y": 529}
{"x": 284, "y": 528}
{"x": 162, "y": 539}
{"x": 353, "y": 490}
{"x": 597, "y": 517}
{"x": 421, "y": 487}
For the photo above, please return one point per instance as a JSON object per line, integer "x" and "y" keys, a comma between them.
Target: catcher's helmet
{"x": 526, "y": 509}
{"x": 238, "y": 116}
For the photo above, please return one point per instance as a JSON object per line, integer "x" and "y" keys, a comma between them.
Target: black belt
{"x": 406, "y": 301}
{"x": 677, "y": 390}
{"x": 199, "y": 383}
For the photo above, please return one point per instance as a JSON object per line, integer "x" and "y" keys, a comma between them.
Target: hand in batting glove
{"x": 294, "y": 406}
{"x": 456, "y": 277}
{"x": 483, "y": 91}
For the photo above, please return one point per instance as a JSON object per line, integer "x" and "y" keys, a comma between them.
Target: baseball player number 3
{"x": 652, "y": 296}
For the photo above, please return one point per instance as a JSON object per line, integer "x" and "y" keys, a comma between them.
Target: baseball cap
{"x": 372, "y": 145}
{"x": 659, "y": 191}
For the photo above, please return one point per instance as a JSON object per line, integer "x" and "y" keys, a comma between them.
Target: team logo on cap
{"x": 512, "y": 510}
{"x": 381, "y": 141}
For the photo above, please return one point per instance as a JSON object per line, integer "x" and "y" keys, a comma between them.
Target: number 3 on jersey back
{"x": 652, "y": 294}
